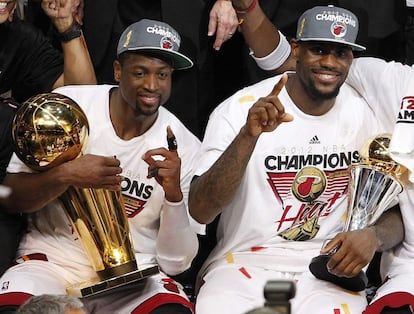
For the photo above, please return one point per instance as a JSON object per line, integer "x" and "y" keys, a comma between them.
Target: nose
{"x": 329, "y": 60}
{"x": 151, "y": 82}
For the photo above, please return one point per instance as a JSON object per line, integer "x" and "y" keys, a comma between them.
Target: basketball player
{"x": 127, "y": 121}
{"x": 276, "y": 173}
{"x": 385, "y": 85}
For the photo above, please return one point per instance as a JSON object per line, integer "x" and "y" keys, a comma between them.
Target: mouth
{"x": 149, "y": 99}
{"x": 3, "y": 5}
{"x": 327, "y": 77}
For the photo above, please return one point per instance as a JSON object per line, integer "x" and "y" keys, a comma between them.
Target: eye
{"x": 342, "y": 53}
{"x": 139, "y": 73}
{"x": 164, "y": 74}
{"x": 318, "y": 50}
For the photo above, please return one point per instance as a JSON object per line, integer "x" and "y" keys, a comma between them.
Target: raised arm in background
{"x": 78, "y": 68}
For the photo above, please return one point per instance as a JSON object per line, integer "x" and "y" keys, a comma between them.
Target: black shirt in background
{"x": 29, "y": 64}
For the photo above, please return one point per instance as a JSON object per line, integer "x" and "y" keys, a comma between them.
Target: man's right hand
{"x": 92, "y": 171}
{"x": 268, "y": 112}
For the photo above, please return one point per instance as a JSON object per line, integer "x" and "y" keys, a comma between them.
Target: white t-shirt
{"x": 293, "y": 194}
{"x": 50, "y": 231}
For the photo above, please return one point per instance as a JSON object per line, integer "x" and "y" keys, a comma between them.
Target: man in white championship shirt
{"x": 127, "y": 150}
{"x": 388, "y": 87}
{"x": 274, "y": 165}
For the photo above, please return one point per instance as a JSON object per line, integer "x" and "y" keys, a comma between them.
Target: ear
{"x": 294, "y": 45}
{"x": 117, "y": 71}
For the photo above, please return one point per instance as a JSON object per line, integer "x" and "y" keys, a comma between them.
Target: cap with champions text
{"x": 331, "y": 24}
{"x": 154, "y": 37}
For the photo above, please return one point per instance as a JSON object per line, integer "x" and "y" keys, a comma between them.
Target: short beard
{"x": 316, "y": 94}
{"x": 147, "y": 113}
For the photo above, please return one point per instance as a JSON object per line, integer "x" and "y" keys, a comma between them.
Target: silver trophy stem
{"x": 371, "y": 193}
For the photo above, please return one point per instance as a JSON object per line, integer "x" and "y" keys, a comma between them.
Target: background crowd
{"x": 385, "y": 30}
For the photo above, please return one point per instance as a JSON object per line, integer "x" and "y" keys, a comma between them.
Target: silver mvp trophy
{"x": 49, "y": 129}
{"x": 374, "y": 184}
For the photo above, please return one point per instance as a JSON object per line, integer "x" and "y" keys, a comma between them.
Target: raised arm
{"x": 213, "y": 190}
{"x": 262, "y": 37}
{"x": 78, "y": 67}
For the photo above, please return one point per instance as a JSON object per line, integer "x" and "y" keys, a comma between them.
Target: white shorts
{"x": 35, "y": 277}
{"x": 232, "y": 288}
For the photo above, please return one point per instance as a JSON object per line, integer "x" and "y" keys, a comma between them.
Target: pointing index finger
{"x": 171, "y": 140}
{"x": 279, "y": 85}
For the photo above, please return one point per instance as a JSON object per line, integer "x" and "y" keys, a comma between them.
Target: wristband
{"x": 74, "y": 31}
{"x": 249, "y": 9}
{"x": 277, "y": 57}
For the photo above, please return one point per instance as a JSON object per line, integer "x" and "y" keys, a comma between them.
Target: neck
{"x": 304, "y": 101}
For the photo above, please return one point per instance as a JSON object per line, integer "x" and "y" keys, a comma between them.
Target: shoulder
{"x": 86, "y": 96}
{"x": 376, "y": 68}
{"x": 260, "y": 89}
{"x": 242, "y": 100}
{"x": 84, "y": 91}
{"x": 23, "y": 31}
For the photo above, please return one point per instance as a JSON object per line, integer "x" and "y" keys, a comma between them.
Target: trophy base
{"x": 86, "y": 289}
{"x": 319, "y": 270}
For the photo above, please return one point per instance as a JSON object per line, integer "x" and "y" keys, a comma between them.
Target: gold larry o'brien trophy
{"x": 49, "y": 129}
{"x": 374, "y": 184}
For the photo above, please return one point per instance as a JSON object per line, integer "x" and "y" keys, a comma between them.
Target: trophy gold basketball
{"x": 374, "y": 183}
{"x": 49, "y": 129}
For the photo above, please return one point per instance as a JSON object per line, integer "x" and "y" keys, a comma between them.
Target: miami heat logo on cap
{"x": 338, "y": 29}
{"x": 166, "y": 43}
{"x": 309, "y": 184}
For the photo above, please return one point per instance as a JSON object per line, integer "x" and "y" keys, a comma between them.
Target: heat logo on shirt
{"x": 406, "y": 114}
{"x": 317, "y": 192}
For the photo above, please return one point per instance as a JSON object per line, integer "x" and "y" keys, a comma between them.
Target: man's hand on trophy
{"x": 164, "y": 165}
{"x": 92, "y": 171}
{"x": 350, "y": 251}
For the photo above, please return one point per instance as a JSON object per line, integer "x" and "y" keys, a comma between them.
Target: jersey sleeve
{"x": 381, "y": 84}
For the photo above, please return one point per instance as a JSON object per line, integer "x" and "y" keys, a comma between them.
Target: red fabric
{"x": 392, "y": 300}
{"x": 160, "y": 299}
{"x": 14, "y": 298}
